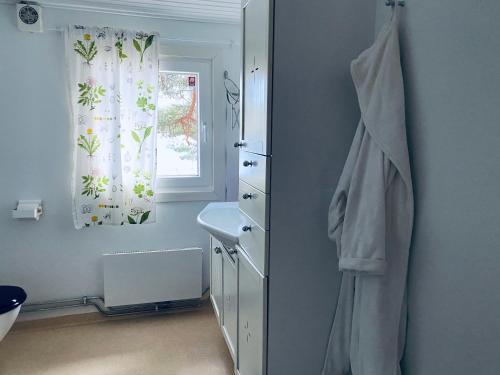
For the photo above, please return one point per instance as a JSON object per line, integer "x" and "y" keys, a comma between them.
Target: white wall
{"x": 451, "y": 60}
{"x": 51, "y": 259}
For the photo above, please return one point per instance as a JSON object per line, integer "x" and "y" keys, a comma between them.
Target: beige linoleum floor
{"x": 187, "y": 343}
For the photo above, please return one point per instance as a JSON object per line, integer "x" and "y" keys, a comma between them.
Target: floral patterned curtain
{"x": 113, "y": 78}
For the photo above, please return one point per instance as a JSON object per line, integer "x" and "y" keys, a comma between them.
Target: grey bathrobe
{"x": 371, "y": 219}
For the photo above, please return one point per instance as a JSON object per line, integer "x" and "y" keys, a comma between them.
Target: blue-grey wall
{"x": 314, "y": 117}
{"x": 451, "y": 62}
{"x": 50, "y": 258}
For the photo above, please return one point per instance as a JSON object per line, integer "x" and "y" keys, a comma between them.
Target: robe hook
{"x": 392, "y": 3}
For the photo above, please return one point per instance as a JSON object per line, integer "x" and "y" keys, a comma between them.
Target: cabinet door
{"x": 256, "y": 26}
{"x": 252, "y": 307}
{"x": 230, "y": 292}
{"x": 216, "y": 278}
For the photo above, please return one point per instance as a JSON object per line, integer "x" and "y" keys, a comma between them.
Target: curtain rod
{"x": 228, "y": 43}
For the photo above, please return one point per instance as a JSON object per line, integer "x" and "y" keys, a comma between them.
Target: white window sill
{"x": 187, "y": 195}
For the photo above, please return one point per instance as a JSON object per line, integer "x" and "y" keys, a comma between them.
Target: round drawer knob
{"x": 239, "y": 144}
{"x": 246, "y": 228}
{"x": 233, "y": 252}
{"x": 218, "y": 250}
{"x": 247, "y": 196}
{"x": 247, "y": 163}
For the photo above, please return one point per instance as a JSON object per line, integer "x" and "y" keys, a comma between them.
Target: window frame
{"x": 210, "y": 185}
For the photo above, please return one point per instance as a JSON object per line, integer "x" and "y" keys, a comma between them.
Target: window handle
{"x": 204, "y": 131}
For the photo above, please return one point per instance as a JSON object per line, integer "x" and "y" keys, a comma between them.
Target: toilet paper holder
{"x": 28, "y": 209}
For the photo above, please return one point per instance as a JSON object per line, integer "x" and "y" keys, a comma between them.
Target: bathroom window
{"x": 178, "y": 141}
{"x": 185, "y": 129}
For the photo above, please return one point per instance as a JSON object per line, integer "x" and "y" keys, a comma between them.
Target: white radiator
{"x": 152, "y": 276}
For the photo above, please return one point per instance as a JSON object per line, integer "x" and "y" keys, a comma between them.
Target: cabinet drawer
{"x": 254, "y": 170}
{"x": 254, "y": 240}
{"x": 254, "y": 204}
{"x": 252, "y": 307}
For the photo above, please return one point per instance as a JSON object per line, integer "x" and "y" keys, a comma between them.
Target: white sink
{"x": 222, "y": 220}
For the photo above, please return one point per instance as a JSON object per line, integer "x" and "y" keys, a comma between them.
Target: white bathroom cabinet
{"x": 230, "y": 298}
{"x": 216, "y": 277}
{"x": 299, "y": 115}
{"x": 252, "y": 318}
{"x": 238, "y": 294}
{"x": 257, "y": 41}
{"x": 254, "y": 189}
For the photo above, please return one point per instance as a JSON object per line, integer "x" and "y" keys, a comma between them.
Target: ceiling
{"x": 219, "y": 11}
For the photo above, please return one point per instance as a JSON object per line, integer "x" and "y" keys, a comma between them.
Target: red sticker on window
{"x": 192, "y": 81}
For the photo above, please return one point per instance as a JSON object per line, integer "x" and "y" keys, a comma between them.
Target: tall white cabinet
{"x": 254, "y": 189}
{"x": 298, "y": 119}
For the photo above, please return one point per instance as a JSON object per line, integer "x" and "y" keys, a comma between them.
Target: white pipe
{"x": 98, "y": 303}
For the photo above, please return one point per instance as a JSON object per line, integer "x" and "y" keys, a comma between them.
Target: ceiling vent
{"x": 29, "y": 17}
